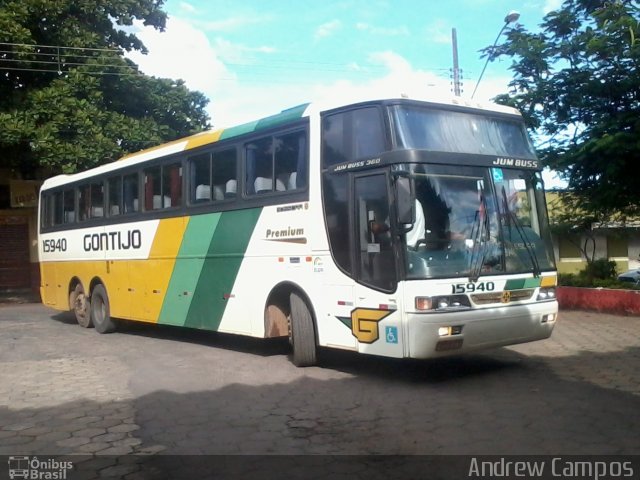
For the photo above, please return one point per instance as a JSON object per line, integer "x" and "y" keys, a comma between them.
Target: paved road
{"x": 149, "y": 390}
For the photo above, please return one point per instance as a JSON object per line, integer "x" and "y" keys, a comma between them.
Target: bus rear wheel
{"x": 302, "y": 333}
{"x": 100, "y": 313}
{"x": 79, "y": 304}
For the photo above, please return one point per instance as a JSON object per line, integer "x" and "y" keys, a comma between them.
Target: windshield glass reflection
{"x": 473, "y": 221}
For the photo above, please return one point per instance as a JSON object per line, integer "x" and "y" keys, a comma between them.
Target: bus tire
{"x": 79, "y": 304}
{"x": 100, "y": 313}
{"x": 302, "y": 333}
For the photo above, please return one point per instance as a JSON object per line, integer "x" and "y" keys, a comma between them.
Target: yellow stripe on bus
{"x": 203, "y": 139}
{"x": 154, "y": 274}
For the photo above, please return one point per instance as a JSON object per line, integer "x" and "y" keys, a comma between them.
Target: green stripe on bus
{"x": 288, "y": 115}
{"x": 519, "y": 283}
{"x": 285, "y": 116}
{"x": 220, "y": 269}
{"x": 187, "y": 269}
{"x": 239, "y": 130}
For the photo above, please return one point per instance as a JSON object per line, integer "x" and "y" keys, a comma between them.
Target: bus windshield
{"x": 473, "y": 221}
{"x": 450, "y": 131}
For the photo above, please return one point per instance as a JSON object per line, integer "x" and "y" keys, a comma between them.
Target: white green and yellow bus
{"x": 397, "y": 227}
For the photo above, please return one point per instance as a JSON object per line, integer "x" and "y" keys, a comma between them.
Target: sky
{"x": 254, "y": 58}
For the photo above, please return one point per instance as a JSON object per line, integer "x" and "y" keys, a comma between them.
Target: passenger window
{"x": 200, "y": 167}
{"x": 276, "y": 164}
{"x": 84, "y": 202}
{"x": 97, "y": 200}
{"x": 69, "y": 206}
{"x": 172, "y": 185}
{"x": 223, "y": 175}
{"x": 259, "y": 166}
{"x": 163, "y": 187}
{"x": 130, "y": 193}
{"x": 57, "y": 208}
{"x": 152, "y": 189}
{"x": 290, "y": 160}
{"x": 213, "y": 176}
{"x": 115, "y": 196}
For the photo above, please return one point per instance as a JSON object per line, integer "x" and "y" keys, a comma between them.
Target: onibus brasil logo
{"x": 33, "y": 468}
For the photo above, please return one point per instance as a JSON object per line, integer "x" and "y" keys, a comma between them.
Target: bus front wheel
{"x": 302, "y": 333}
{"x": 100, "y": 313}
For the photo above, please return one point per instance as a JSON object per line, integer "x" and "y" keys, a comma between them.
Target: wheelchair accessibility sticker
{"x": 391, "y": 334}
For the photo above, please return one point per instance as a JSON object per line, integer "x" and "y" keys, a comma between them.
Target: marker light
{"x": 423, "y": 303}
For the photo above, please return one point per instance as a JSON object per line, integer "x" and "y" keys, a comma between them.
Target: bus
{"x": 399, "y": 227}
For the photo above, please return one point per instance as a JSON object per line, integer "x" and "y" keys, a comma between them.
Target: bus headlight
{"x": 442, "y": 303}
{"x": 547, "y": 294}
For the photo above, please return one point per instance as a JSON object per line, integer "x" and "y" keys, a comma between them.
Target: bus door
{"x": 376, "y": 318}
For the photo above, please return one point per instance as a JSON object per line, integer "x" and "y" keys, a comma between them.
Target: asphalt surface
{"x": 150, "y": 392}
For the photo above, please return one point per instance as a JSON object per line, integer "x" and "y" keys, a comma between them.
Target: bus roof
{"x": 285, "y": 116}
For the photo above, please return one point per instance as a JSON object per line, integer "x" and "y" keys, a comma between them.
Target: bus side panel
{"x": 116, "y": 281}
{"x": 277, "y": 252}
{"x": 196, "y": 240}
{"x": 48, "y": 283}
{"x": 150, "y": 278}
{"x": 208, "y": 262}
{"x": 57, "y": 278}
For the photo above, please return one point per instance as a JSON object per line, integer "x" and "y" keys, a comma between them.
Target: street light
{"x": 511, "y": 17}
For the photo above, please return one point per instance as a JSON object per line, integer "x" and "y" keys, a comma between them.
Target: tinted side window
{"x": 57, "y": 208}
{"x": 152, "y": 189}
{"x": 97, "y": 200}
{"x": 200, "y": 168}
{"x": 223, "y": 174}
{"x": 130, "y": 193}
{"x": 172, "y": 185}
{"x": 84, "y": 202}
{"x": 337, "y": 210}
{"x": 213, "y": 176}
{"x": 276, "y": 163}
{"x": 352, "y": 135}
{"x": 115, "y": 196}
{"x": 163, "y": 187}
{"x": 69, "y": 206}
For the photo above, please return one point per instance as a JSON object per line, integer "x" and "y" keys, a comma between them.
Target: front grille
{"x": 500, "y": 297}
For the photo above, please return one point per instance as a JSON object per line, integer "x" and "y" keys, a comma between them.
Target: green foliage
{"x": 573, "y": 280}
{"x": 577, "y": 82}
{"x": 600, "y": 273}
{"x": 90, "y": 105}
{"x": 601, "y": 269}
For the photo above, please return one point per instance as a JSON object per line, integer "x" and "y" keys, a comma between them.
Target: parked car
{"x": 631, "y": 276}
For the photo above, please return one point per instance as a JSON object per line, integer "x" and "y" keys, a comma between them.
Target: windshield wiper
{"x": 480, "y": 235}
{"x": 516, "y": 222}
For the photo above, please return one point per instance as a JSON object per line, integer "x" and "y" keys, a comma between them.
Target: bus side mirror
{"x": 405, "y": 206}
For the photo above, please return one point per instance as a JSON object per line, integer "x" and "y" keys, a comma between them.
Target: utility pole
{"x": 456, "y": 68}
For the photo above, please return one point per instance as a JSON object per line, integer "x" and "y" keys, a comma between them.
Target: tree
{"x": 69, "y": 99}
{"x": 577, "y": 82}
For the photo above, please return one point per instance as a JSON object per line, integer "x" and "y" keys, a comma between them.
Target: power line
{"x": 32, "y": 45}
{"x": 59, "y": 59}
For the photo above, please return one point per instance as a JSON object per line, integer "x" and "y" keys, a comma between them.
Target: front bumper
{"x": 481, "y": 328}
